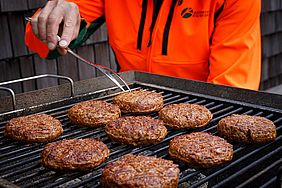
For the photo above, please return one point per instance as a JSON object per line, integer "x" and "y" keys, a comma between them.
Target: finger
{"x": 62, "y": 51}
{"x": 42, "y": 19}
{"x": 34, "y": 25}
{"x": 75, "y": 34}
{"x": 70, "y": 26}
{"x": 77, "y": 28}
{"x": 53, "y": 23}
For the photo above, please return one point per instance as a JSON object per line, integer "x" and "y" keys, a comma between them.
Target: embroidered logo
{"x": 187, "y": 12}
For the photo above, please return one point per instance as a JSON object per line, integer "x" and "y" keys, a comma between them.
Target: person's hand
{"x": 46, "y": 24}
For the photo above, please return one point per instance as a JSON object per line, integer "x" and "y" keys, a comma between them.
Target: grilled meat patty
{"x": 93, "y": 113}
{"x": 74, "y": 154}
{"x": 139, "y": 101}
{"x": 200, "y": 149}
{"x": 185, "y": 115}
{"x": 140, "y": 171}
{"x": 246, "y": 128}
{"x": 136, "y": 130}
{"x": 34, "y": 128}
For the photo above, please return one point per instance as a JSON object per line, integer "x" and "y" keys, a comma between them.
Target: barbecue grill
{"x": 253, "y": 165}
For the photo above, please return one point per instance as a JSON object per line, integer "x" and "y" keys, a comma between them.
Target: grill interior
{"x": 252, "y": 165}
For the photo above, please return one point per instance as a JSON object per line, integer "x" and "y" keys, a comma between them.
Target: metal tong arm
{"x": 102, "y": 69}
{"x": 99, "y": 67}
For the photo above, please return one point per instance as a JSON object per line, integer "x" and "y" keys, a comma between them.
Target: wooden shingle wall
{"x": 271, "y": 30}
{"x": 17, "y": 61}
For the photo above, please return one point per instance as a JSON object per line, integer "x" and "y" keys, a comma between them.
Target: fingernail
{"x": 63, "y": 43}
{"x": 51, "y": 46}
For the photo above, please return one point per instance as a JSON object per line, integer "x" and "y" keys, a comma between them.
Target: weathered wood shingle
{"x": 268, "y": 24}
{"x": 44, "y": 66}
{"x": 271, "y": 5}
{"x": 67, "y": 66}
{"x": 86, "y": 71}
{"x": 27, "y": 70}
{"x": 34, "y": 4}
{"x": 10, "y": 70}
{"x": 5, "y": 42}
{"x": 13, "y": 5}
{"x": 102, "y": 56}
{"x": 17, "y": 29}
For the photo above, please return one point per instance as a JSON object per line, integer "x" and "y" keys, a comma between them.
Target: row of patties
{"x": 198, "y": 149}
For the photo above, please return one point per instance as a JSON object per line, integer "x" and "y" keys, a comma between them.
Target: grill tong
{"x": 111, "y": 74}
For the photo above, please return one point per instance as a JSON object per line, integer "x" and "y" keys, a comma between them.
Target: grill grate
{"x": 254, "y": 165}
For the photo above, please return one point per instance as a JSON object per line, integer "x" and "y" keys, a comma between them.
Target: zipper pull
{"x": 150, "y": 38}
{"x": 149, "y": 42}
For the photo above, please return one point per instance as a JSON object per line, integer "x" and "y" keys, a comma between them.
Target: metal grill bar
{"x": 270, "y": 183}
{"x": 243, "y": 170}
{"x": 20, "y": 163}
{"x": 255, "y": 177}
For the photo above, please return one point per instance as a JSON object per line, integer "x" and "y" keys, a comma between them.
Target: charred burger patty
{"x": 139, "y": 101}
{"x": 93, "y": 113}
{"x": 246, "y": 128}
{"x": 185, "y": 115}
{"x": 74, "y": 154}
{"x": 140, "y": 171}
{"x": 200, "y": 149}
{"x": 34, "y": 128}
{"x": 136, "y": 130}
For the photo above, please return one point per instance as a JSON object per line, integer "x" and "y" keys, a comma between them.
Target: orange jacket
{"x": 217, "y": 41}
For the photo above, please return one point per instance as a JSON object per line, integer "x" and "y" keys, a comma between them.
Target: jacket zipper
{"x": 167, "y": 27}
{"x": 142, "y": 23}
{"x": 157, "y": 7}
{"x": 157, "y": 24}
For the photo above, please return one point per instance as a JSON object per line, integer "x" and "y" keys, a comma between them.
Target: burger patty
{"x": 139, "y": 101}
{"x": 246, "y": 128}
{"x": 93, "y": 113}
{"x": 74, "y": 154}
{"x": 185, "y": 115}
{"x": 34, "y": 128}
{"x": 140, "y": 171}
{"x": 136, "y": 130}
{"x": 200, "y": 149}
